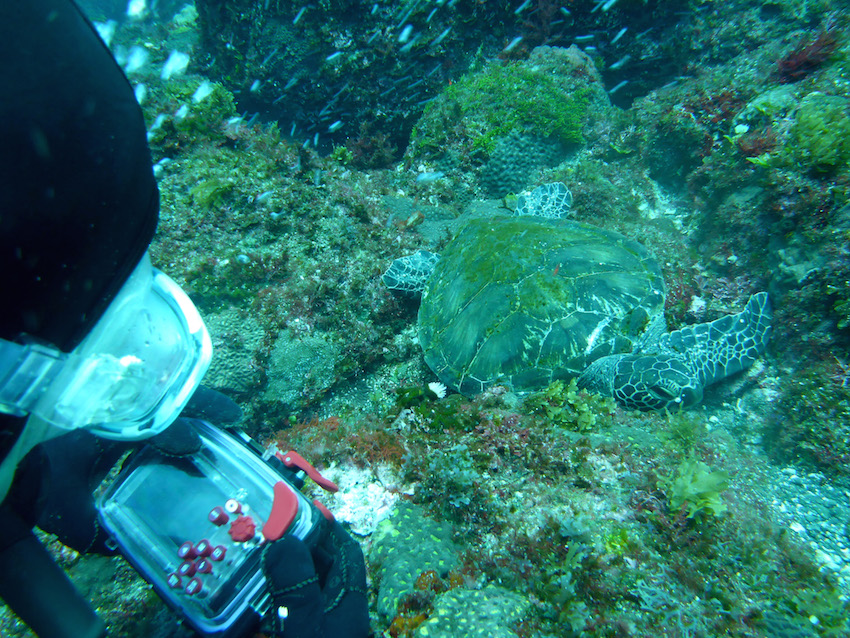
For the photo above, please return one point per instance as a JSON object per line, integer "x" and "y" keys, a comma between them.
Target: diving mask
{"x": 129, "y": 378}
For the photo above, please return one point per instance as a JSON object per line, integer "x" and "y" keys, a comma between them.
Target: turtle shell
{"x": 523, "y": 301}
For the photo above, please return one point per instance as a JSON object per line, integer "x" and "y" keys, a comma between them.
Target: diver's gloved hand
{"x": 213, "y": 406}
{"x": 67, "y": 469}
{"x": 323, "y": 591}
{"x": 71, "y": 466}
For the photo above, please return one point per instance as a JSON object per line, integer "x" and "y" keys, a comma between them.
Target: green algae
{"x": 696, "y": 488}
{"x": 501, "y": 99}
{"x": 564, "y": 405}
{"x": 820, "y": 135}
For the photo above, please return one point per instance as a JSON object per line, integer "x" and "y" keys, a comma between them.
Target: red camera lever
{"x": 294, "y": 460}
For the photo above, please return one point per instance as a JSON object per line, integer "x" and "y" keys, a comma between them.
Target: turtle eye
{"x": 663, "y": 393}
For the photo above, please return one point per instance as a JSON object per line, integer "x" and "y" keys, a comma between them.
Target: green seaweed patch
{"x": 820, "y": 135}
{"x": 617, "y": 542}
{"x": 564, "y": 405}
{"x": 682, "y": 430}
{"x": 235, "y": 279}
{"x": 211, "y": 193}
{"x": 500, "y": 99}
{"x": 695, "y": 488}
{"x": 198, "y": 122}
{"x": 453, "y": 413}
{"x": 826, "y": 607}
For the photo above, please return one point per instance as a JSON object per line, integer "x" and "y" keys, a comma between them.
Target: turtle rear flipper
{"x": 722, "y": 347}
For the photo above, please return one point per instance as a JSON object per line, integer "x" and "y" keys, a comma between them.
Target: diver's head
{"x": 90, "y": 335}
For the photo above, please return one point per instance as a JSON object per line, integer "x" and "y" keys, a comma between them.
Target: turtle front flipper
{"x": 684, "y": 361}
{"x": 724, "y": 346}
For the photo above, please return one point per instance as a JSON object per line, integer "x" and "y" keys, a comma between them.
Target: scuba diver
{"x": 101, "y": 354}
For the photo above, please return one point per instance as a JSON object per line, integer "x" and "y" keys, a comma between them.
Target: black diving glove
{"x": 319, "y": 593}
{"x": 66, "y": 470}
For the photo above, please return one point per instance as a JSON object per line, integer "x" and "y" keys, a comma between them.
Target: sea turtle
{"x": 527, "y": 299}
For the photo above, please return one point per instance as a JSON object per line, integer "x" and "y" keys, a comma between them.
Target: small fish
{"x": 619, "y": 64}
{"x": 619, "y": 35}
{"x": 429, "y": 177}
{"x": 203, "y": 91}
{"x": 106, "y": 30}
{"x": 407, "y": 47}
{"x": 512, "y": 44}
{"x": 404, "y": 36}
{"x": 441, "y": 37}
{"x": 618, "y": 87}
{"x": 140, "y": 91}
{"x": 136, "y": 8}
{"x": 136, "y": 59}
{"x": 157, "y": 123}
{"x": 269, "y": 57}
{"x": 175, "y": 65}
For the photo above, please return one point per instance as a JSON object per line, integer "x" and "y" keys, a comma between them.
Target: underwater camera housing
{"x": 195, "y": 527}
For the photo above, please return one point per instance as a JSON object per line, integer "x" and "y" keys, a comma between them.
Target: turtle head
{"x": 656, "y": 382}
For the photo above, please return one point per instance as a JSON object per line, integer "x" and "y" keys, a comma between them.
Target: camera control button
{"x": 186, "y": 551}
{"x": 195, "y": 585}
{"x": 203, "y": 548}
{"x": 187, "y": 568}
{"x": 242, "y": 529}
{"x": 218, "y": 516}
